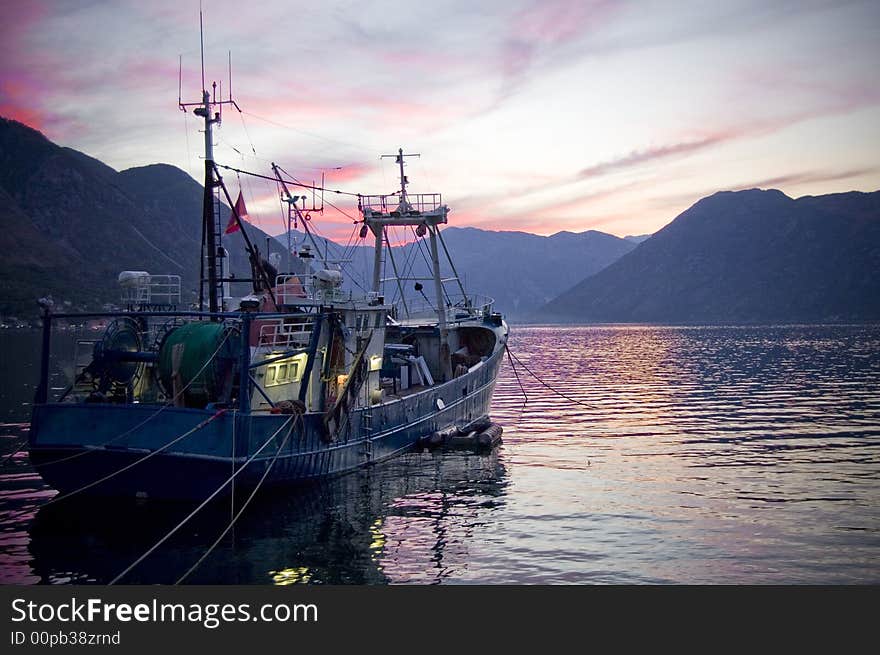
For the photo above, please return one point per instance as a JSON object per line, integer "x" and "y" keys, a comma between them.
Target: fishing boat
{"x": 298, "y": 380}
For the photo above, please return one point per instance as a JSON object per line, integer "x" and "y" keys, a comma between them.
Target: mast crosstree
{"x": 424, "y": 212}
{"x": 210, "y": 110}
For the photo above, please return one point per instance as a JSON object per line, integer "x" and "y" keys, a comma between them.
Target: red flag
{"x": 241, "y": 210}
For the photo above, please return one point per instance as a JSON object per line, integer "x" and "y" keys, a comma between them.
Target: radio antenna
{"x": 202, "y": 44}
{"x": 209, "y": 108}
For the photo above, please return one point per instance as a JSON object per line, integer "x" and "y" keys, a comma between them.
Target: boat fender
{"x": 462, "y": 440}
{"x": 441, "y": 436}
{"x": 480, "y": 424}
{"x": 491, "y": 436}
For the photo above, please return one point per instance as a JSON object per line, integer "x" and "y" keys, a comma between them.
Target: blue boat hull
{"x": 73, "y": 446}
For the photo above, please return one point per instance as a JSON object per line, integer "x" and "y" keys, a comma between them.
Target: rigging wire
{"x": 348, "y": 255}
{"x": 246, "y": 133}
{"x": 304, "y": 132}
{"x": 348, "y": 250}
{"x": 294, "y": 182}
{"x": 188, "y": 151}
{"x": 350, "y": 269}
{"x": 430, "y": 267}
{"x": 200, "y": 507}
{"x": 409, "y": 259}
{"x": 343, "y": 212}
{"x": 291, "y": 182}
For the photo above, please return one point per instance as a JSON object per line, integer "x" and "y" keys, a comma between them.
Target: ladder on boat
{"x": 367, "y": 430}
{"x": 219, "y": 228}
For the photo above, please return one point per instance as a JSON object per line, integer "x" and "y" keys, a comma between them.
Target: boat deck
{"x": 403, "y": 393}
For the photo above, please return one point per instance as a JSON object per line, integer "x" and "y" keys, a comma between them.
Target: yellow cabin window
{"x": 283, "y": 372}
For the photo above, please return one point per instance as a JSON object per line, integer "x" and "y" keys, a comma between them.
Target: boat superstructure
{"x": 296, "y": 380}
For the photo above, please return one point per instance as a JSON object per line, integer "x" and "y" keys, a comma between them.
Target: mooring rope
{"x": 140, "y": 460}
{"x": 201, "y": 506}
{"x": 18, "y": 447}
{"x": 552, "y": 388}
{"x": 516, "y": 374}
{"x": 243, "y": 507}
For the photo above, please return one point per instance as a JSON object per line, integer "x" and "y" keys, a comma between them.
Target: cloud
{"x": 806, "y": 177}
{"x": 843, "y": 100}
{"x": 673, "y": 204}
{"x": 346, "y": 173}
{"x": 537, "y": 32}
{"x": 19, "y": 73}
{"x": 346, "y": 86}
{"x": 639, "y": 157}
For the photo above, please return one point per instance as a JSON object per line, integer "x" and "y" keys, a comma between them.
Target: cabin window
{"x": 282, "y": 373}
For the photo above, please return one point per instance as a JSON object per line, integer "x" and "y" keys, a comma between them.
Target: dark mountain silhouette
{"x": 747, "y": 256}
{"x": 69, "y": 224}
{"x": 521, "y": 271}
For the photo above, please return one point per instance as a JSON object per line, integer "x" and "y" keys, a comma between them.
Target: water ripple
{"x": 735, "y": 454}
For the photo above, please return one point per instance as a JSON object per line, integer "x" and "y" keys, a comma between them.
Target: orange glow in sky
{"x": 533, "y": 115}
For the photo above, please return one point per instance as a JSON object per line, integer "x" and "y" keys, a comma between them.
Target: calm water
{"x": 693, "y": 455}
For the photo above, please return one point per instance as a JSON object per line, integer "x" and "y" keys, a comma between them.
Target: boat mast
{"x": 379, "y": 229}
{"x": 291, "y": 206}
{"x": 211, "y": 228}
{"x": 208, "y": 208}
{"x": 429, "y": 219}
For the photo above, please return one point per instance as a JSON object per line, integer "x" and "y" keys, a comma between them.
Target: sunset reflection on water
{"x": 680, "y": 455}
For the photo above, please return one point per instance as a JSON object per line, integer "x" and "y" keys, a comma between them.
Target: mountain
{"x": 637, "y": 239}
{"x": 746, "y": 256}
{"x": 69, "y": 224}
{"x": 521, "y": 271}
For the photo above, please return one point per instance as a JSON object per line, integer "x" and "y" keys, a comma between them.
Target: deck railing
{"x": 293, "y": 289}
{"x": 420, "y": 202}
{"x": 152, "y": 290}
{"x": 287, "y": 332}
{"x": 458, "y": 307}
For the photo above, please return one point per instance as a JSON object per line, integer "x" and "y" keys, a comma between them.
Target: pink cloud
{"x": 557, "y": 21}
{"x": 427, "y": 61}
{"x": 346, "y": 173}
{"x": 639, "y": 157}
{"x": 543, "y": 27}
{"x": 806, "y": 177}
{"x": 18, "y": 84}
{"x": 18, "y": 112}
{"x": 846, "y": 100}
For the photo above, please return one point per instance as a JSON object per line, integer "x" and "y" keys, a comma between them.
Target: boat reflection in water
{"x": 406, "y": 520}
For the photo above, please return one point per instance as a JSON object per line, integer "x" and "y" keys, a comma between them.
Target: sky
{"x": 540, "y": 116}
